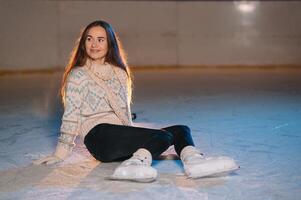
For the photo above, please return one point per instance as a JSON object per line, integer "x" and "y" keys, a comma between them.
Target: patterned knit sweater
{"x": 88, "y": 103}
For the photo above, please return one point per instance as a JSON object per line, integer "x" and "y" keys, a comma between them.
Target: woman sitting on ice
{"x": 96, "y": 92}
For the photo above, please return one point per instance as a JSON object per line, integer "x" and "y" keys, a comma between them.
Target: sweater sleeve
{"x": 71, "y": 118}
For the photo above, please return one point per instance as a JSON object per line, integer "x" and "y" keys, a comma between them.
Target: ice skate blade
{"x": 142, "y": 180}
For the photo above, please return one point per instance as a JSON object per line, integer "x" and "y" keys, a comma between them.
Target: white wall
{"x": 40, "y": 34}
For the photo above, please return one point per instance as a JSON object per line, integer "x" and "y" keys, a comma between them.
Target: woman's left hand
{"x": 49, "y": 160}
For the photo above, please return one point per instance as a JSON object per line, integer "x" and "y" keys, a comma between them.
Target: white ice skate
{"x": 197, "y": 166}
{"x": 135, "y": 169}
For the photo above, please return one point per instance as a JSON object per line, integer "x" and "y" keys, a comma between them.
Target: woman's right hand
{"x": 49, "y": 160}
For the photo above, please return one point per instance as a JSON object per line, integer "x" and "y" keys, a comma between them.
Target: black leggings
{"x": 111, "y": 142}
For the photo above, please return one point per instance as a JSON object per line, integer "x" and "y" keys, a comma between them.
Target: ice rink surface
{"x": 251, "y": 115}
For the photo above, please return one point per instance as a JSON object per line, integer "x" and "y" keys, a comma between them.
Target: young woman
{"x": 96, "y": 92}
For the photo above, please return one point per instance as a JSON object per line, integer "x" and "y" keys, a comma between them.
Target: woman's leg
{"x": 111, "y": 142}
{"x": 181, "y": 137}
{"x": 195, "y": 164}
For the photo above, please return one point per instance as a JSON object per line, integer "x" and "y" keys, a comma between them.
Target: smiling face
{"x": 96, "y": 44}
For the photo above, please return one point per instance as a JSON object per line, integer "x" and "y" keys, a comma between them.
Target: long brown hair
{"x": 116, "y": 55}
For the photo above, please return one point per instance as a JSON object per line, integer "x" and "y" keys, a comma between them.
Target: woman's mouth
{"x": 94, "y": 50}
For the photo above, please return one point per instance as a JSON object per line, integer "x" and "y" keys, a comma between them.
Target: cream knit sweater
{"x": 94, "y": 94}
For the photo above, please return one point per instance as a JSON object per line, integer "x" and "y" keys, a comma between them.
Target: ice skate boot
{"x": 197, "y": 166}
{"x": 137, "y": 168}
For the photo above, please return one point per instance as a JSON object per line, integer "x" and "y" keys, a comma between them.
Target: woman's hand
{"x": 49, "y": 160}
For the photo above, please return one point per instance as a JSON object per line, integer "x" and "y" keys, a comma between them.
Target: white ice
{"x": 253, "y": 116}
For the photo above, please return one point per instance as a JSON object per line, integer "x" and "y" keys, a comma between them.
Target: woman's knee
{"x": 181, "y": 128}
{"x": 184, "y": 128}
{"x": 182, "y": 131}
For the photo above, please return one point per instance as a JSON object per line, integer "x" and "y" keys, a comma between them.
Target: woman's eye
{"x": 89, "y": 39}
{"x": 100, "y": 40}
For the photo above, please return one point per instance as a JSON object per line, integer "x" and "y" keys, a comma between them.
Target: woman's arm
{"x": 70, "y": 123}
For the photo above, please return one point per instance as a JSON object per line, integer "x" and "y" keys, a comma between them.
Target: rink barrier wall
{"x": 41, "y": 34}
